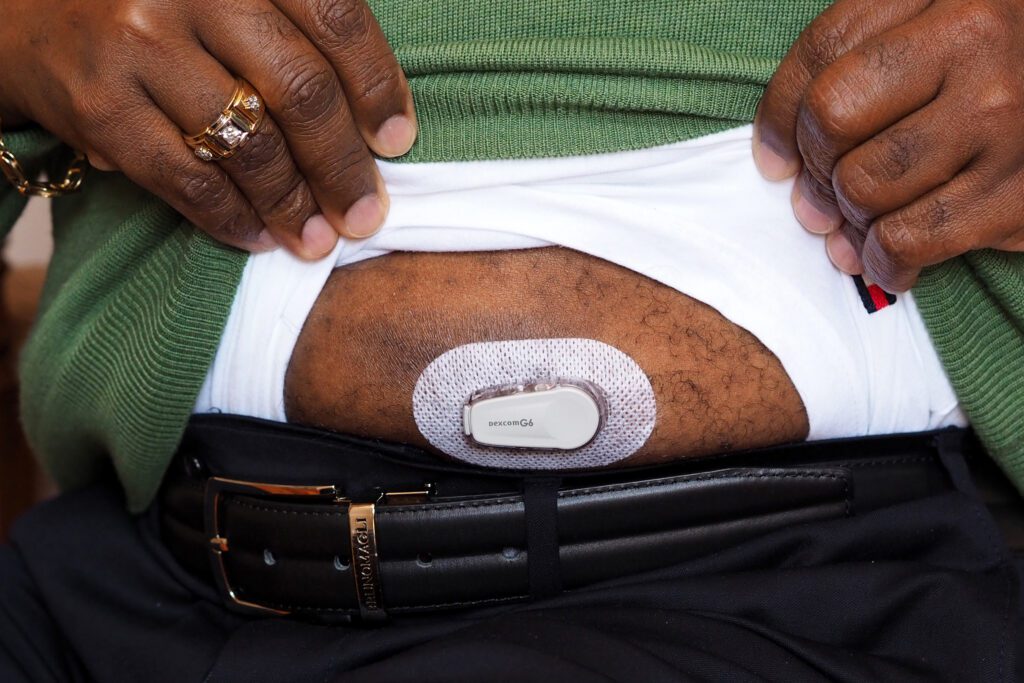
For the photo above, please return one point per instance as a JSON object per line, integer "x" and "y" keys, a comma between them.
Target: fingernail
{"x": 811, "y": 217}
{"x": 365, "y": 217}
{"x": 772, "y": 165}
{"x": 101, "y": 164}
{"x": 266, "y": 241}
{"x": 843, "y": 255}
{"x": 396, "y": 136}
{"x": 318, "y": 238}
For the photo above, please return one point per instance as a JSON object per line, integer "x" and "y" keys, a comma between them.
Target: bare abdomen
{"x": 379, "y": 323}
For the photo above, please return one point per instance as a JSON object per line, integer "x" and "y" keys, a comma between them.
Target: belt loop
{"x": 950, "y": 445}
{"x": 540, "y": 500}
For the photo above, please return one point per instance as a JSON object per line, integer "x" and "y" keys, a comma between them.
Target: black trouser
{"x": 921, "y": 590}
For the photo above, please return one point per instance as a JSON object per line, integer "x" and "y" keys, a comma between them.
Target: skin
{"x": 902, "y": 120}
{"x": 123, "y": 80}
{"x": 353, "y": 369}
{"x": 905, "y": 158}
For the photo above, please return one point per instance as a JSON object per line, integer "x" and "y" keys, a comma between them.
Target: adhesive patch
{"x": 451, "y": 380}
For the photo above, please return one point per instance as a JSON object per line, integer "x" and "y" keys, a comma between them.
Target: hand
{"x": 905, "y": 122}
{"x": 123, "y": 80}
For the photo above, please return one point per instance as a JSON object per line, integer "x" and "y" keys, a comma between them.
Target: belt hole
{"x": 268, "y": 558}
{"x": 424, "y": 559}
{"x": 340, "y": 564}
{"x": 510, "y": 553}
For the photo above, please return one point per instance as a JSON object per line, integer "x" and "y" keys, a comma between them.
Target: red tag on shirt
{"x": 872, "y": 296}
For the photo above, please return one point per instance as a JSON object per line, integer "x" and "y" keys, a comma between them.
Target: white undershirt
{"x": 695, "y": 216}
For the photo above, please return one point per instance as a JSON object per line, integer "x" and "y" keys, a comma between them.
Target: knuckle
{"x": 275, "y": 186}
{"x": 138, "y": 24}
{"x": 856, "y": 190}
{"x": 234, "y": 227}
{"x": 822, "y": 44}
{"x": 827, "y": 111}
{"x": 341, "y": 22}
{"x": 378, "y": 81}
{"x": 291, "y": 205}
{"x": 899, "y": 151}
{"x": 896, "y": 239}
{"x": 350, "y": 172}
{"x": 265, "y": 150}
{"x": 1001, "y": 98}
{"x": 980, "y": 24}
{"x": 887, "y": 54}
{"x": 272, "y": 28}
{"x": 820, "y": 193}
{"x": 206, "y": 192}
{"x": 311, "y": 91}
{"x": 214, "y": 209}
{"x": 938, "y": 216}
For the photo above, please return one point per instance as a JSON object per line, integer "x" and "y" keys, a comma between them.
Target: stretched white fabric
{"x": 695, "y": 216}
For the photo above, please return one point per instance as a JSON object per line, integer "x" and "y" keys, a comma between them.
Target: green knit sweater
{"x": 136, "y": 299}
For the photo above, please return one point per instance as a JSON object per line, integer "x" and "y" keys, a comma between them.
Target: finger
{"x": 966, "y": 214}
{"x": 905, "y": 162}
{"x": 1014, "y": 243}
{"x": 814, "y": 205}
{"x": 262, "y": 167}
{"x": 305, "y": 98}
{"x": 843, "y": 254}
{"x": 265, "y": 171}
{"x": 347, "y": 33}
{"x": 100, "y": 162}
{"x": 840, "y": 28}
{"x": 866, "y": 91}
{"x": 202, "y": 192}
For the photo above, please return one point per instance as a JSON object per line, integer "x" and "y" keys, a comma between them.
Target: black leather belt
{"x": 287, "y": 520}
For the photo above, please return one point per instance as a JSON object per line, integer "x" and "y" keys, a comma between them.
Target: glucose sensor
{"x": 558, "y": 414}
{"x": 535, "y": 404}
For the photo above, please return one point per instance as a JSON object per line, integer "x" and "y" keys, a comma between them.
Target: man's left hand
{"x": 905, "y": 122}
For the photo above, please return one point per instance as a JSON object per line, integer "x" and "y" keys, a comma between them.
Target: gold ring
{"x": 233, "y": 127}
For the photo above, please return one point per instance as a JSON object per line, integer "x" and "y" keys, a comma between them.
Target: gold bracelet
{"x": 12, "y": 169}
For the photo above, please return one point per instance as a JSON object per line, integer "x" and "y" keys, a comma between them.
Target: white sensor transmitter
{"x": 549, "y": 415}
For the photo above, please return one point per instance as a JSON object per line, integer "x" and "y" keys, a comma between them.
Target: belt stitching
{"x": 470, "y": 504}
{"x": 411, "y": 509}
{"x": 380, "y": 511}
{"x": 571, "y": 494}
{"x": 611, "y": 488}
{"x": 890, "y": 461}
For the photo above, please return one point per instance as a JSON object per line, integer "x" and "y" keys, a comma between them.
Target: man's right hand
{"x": 123, "y": 80}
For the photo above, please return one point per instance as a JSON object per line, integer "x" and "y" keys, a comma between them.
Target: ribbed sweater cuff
{"x": 974, "y": 310}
